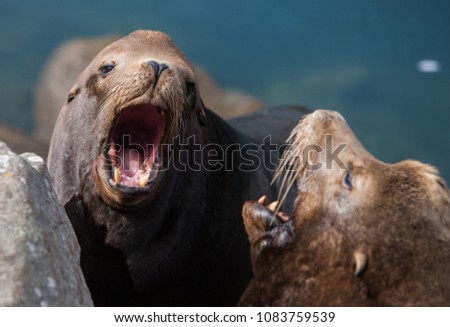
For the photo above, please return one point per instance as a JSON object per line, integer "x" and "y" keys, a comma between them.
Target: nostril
{"x": 159, "y": 68}
{"x": 162, "y": 67}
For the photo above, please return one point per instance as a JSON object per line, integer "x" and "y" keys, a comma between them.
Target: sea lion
{"x": 362, "y": 232}
{"x": 71, "y": 57}
{"x": 157, "y": 220}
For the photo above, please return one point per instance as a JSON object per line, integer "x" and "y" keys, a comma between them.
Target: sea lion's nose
{"x": 158, "y": 67}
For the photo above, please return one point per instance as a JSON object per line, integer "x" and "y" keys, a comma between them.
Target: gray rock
{"x": 39, "y": 253}
{"x": 20, "y": 142}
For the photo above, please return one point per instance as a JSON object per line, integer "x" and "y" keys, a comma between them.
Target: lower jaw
{"x": 122, "y": 197}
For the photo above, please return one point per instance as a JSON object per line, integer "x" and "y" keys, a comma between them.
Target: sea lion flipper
{"x": 264, "y": 227}
{"x": 146, "y": 205}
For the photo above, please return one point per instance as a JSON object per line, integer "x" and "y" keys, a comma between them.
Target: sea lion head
{"x": 138, "y": 94}
{"x": 361, "y": 232}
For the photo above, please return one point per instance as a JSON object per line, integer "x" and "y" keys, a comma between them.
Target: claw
{"x": 273, "y": 205}
{"x": 262, "y": 200}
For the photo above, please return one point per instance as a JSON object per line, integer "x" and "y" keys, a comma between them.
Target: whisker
{"x": 289, "y": 167}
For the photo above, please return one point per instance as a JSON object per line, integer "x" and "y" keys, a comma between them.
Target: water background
{"x": 357, "y": 57}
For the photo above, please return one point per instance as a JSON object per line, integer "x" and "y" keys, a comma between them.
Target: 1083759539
{"x": 296, "y": 316}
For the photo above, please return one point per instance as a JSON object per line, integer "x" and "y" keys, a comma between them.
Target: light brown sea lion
{"x": 70, "y": 58}
{"x": 362, "y": 232}
{"x": 157, "y": 220}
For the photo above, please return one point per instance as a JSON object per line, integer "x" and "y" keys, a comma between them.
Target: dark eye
{"x": 348, "y": 177}
{"x": 105, "y": 69}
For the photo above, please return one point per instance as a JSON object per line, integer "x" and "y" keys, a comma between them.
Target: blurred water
{"x": 358, "y": 57}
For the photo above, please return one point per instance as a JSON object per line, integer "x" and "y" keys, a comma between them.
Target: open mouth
{"x": 133, "y": 146}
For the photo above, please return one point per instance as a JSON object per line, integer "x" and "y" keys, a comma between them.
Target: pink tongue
{"x": 131, "y": 160}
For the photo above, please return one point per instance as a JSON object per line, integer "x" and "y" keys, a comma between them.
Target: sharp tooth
{"x": 143, "y": 180}
{"x": 144, "y": 163}
{"x": 273, "y": 205}
{"x": 117, "y": 175}
{"x": 262, "y": 200}
{"x": 360, "y": 262}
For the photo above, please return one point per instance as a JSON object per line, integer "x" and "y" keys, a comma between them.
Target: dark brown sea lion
{"x": 157, "y": 219}
{"x": 362, "y": 232}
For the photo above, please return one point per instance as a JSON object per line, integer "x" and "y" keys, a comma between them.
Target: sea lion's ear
{"x": 194, "y": 101}
{"x": 73, "y": 93}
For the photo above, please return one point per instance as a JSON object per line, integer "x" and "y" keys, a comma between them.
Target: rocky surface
{"x": 228, "y": 103}
{"x": 39, "y": 253}
{"x": 20, "y": 142}
{"x": 69, "y": 60}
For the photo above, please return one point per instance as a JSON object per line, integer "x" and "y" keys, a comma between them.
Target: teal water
{"x": 357, "y": 57}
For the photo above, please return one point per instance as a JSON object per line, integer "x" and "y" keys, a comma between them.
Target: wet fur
{"x": 185, "y": 246}
{"x": 396, "y": 215}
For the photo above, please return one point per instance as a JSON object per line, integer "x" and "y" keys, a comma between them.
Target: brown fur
{"x": 131, "y": 83}
{"x": 178, "y": 240}
{"x": 397, "y": 216}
